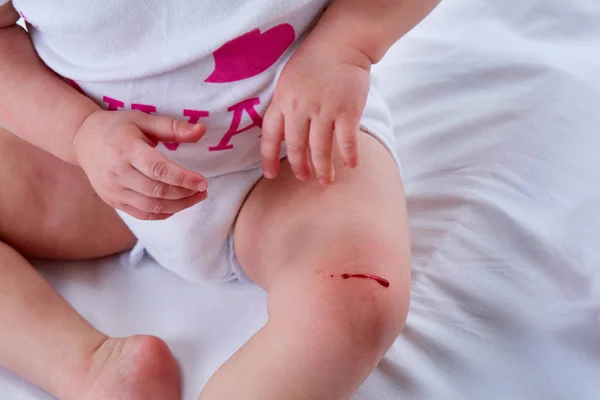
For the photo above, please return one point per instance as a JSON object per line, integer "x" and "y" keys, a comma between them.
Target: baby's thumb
{"x": 165, "y": 129}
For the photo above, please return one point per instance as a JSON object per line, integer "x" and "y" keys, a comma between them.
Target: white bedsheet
{"x": 497, "y": 111}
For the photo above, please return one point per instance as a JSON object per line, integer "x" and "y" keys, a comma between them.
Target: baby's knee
{"x": 372, "y": 289}
{"x": 365, "y": 309}
{"x": 357, "y": 309}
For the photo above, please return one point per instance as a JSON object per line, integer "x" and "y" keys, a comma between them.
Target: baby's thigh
{"x": 357, "y": 225}
{"x": 48, "y": 208}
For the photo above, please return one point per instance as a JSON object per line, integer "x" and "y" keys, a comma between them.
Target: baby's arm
{"x": 323, "y": 89}
{"x": 115, "y": 149}
{"x": 373, "y": 26}
{"x": 36, "y": 104}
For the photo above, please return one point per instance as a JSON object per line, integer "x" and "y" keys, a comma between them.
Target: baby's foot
{"x": 133, "y": 368}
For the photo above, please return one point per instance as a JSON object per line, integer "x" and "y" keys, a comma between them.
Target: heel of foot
{"x": 137, "y": 367}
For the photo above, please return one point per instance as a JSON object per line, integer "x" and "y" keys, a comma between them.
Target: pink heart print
{"x": 251, "y": 54}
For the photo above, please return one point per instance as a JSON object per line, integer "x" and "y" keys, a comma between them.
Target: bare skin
{"x": 86, "y": 364}
{"x": 329, "y": 332}
{"x": 47, "y": 210}
{"x": 47, "y": 196}
{"x": 50, "y": 215}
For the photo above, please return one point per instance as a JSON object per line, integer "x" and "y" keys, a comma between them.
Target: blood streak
{"x": 381, "y": 281}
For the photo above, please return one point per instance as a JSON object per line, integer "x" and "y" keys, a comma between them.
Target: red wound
{"x": 381, "y": 281}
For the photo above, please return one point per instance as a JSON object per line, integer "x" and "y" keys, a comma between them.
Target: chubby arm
{"x": 35, "y": 103}
{"x": 115, "y": 149}
{"x": 322, "y": 91}
{"x": 371, "y": 26}
{"x": 8, "y": 15}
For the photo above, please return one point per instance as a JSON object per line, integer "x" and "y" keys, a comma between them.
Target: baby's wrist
{"x": 351, "y": 32}
{"x": 77, "y": 136}
{"x": 335, "y": 47}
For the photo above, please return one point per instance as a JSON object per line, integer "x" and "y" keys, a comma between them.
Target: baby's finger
{"x": 270, "y": 142}
{"x": 135, "y": 180}
{"x": 321, "y": 150}
{"x": 142, "y": 215}
{"x": 158, "y": 167}
{"x": 296, "y": 143}
{"x": 346, "y": 136}
{"x": 167, "y": 129}
{"x": 159, "y": 206}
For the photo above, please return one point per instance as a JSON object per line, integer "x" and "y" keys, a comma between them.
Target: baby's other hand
{"x": 319, "y": 99}
{"x": 116, "y": 149}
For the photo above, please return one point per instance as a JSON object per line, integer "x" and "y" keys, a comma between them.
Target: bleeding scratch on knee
{"x": 378, "y": 279}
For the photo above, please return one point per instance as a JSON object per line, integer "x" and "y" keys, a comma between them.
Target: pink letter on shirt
{"x": 113, "y": 104}
{"x": 145, "y": 108}
{"x": 234, "y": 129}
{"x": 195, "y": 115}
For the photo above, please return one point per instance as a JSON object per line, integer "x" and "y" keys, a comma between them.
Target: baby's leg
{"x": 325, "y": 334}
{"x": 46, "y": 206}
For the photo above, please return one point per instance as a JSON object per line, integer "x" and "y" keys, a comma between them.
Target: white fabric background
{"x": 497, "y": 113}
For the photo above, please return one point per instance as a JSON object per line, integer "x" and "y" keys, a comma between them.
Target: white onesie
{"x": 213, "y": 62}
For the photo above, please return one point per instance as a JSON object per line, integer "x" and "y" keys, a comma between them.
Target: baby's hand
{"x": 116, "y": 151}
{"x": 321, "y": 91}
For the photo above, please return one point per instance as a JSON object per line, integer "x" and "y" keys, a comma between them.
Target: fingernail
{"x": 302, "y": 176}
{"x": 324, "y": 181}
{"x": 195, "y": 128}
{"x": 269, "y": 173}
{"x": 202, "y": 186}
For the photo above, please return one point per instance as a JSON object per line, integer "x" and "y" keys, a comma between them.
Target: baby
{"x": 264, "y": 105}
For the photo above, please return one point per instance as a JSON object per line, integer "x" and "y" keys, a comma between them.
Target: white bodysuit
{"x": 213, "y": 62}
